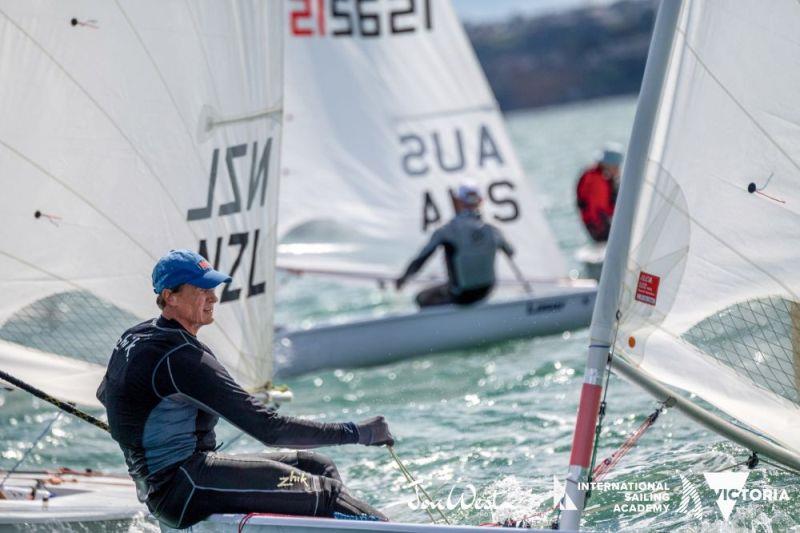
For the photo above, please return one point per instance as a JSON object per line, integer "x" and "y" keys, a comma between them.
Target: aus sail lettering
{"x": 459, "y": 151}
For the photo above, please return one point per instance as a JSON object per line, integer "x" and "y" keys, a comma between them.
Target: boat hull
{"x": 377, "y": 341}
{"x": 279, "y": 524}
{"x": 63, "y": 498}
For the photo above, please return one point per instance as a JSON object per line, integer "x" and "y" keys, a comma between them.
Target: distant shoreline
{"x": 571, "y": 56}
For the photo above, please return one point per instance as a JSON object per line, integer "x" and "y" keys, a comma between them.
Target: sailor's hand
{"x": 374, "y": 432}
{"x": 399, "y": 282}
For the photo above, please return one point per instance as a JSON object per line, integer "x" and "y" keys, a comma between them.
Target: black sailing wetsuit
{"x": 164, "y": 392}
{"x": 470, "y": 246}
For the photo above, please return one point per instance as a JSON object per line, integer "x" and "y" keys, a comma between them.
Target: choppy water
{"x": 499, "y": 420}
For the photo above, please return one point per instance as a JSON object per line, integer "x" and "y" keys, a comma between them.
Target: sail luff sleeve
{"x": 608, "y": 294}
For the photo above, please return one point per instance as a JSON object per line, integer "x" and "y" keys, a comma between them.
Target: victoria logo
{"x": 728, "y": 488}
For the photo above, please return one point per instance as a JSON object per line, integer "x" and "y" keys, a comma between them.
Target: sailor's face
{"x": 195, "y": 306}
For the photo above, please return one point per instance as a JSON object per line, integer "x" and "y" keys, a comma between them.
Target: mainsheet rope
{"x": 414, "y": 483}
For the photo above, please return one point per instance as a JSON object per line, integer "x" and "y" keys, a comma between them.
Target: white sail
{"x": 709, "y": 299}
{"x": 131, "y": 128}
{"x": 387, "y": 110}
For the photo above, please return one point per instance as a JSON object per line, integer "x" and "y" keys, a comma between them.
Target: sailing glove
{"x": 374, "y": 432}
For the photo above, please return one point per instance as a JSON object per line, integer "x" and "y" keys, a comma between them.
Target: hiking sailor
{"x": 597, "y": 192}
{"x": 164, "y": 392}
{"x": 470, "y": 246}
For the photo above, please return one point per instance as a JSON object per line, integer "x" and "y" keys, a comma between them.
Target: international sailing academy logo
{"x": 560, "y": 497}
{"x": 690, "y": 500}
{"x": 655, "y": 497}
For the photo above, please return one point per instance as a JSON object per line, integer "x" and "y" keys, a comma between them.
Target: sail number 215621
{"x": 365, "y": 18}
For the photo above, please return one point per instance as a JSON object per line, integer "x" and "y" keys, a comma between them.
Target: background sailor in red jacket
{"x": 597, "y": 192}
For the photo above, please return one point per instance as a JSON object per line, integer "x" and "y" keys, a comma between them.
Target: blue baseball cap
{"x": 185, "y": 266}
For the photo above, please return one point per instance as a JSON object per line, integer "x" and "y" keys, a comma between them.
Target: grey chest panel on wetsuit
{"x": 474, "y": 246}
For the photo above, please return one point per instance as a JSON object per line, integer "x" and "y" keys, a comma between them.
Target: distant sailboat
{"x": 385, "y": 115}
{"x": 701, "y": 280}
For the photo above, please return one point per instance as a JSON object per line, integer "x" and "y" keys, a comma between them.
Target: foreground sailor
{"x": 164, "y": 391}
{"x": 470, "y": 246}
{"x": 597, "y": 192}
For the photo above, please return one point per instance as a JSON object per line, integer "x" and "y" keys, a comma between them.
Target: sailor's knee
{"x": 318, "y": 464}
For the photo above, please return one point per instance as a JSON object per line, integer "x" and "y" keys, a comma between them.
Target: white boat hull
{"x": 66, "y": 498}
{"x": 390, "y": 338}
{"x": 291, "y": 524}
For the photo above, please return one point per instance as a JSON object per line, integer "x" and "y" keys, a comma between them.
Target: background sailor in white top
{"x": 470, "y": 246}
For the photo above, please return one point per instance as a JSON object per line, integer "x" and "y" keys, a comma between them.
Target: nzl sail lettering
{"x": 362, "y": 18}
{"x": 438, "y": 152}
{"x": 242, "y": 246}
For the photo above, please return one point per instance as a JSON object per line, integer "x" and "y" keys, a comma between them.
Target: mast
{"x": 603, "y": 320}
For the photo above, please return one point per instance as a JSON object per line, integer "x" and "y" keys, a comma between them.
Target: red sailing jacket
{"x": 596, "y": 197}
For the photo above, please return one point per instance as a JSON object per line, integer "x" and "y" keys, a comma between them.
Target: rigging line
{"x": 414, "y": 483}
{"x": 610, "y": 462}
{"x": 31, "y": 448}
{"x": 72, "y": 283}
{"x": 101, "y": 110}
{"x": 64, "y": 406}
{"x": 780, "y": 467}
{"x": 225, "y": 445}
{"x": 166, "y": 87}
{"x": 735, "y": 101}
{"x": 38, "y": 269}
{"x": 486, "y": 108}
{"x": 731, "y": 467}
{"x": 244, "y": 117}
{"x": 518, "y": 274}
{"x": 765, "y": 195}
{"x": 603, "y": 404}
{"x": 599, "y": 427}
{"x": 202, "y": 48}
{"x": 77, "y": 195}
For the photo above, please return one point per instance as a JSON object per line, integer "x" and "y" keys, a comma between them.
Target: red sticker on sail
{"x": 647, "y": 288}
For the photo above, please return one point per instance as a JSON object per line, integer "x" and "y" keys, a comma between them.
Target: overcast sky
{"x": 492, "y": 10}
